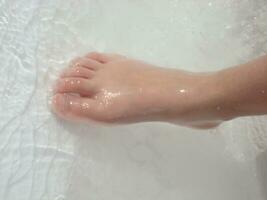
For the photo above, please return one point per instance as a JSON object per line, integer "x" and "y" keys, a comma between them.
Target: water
{"x": 45, "y": 158}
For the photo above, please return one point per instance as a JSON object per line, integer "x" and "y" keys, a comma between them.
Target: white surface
{"x": 44, "y": 158}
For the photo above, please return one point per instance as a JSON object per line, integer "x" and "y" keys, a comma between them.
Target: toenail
{"x": 64, "y": 102}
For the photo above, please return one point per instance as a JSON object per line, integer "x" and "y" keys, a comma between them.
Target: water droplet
{"x": 218, "y": 108}
{"x": 182, "y": 91}
{"x": 85, "y": 106}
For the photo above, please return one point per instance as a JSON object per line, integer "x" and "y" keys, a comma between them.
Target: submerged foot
{"x": 111, "y": 88}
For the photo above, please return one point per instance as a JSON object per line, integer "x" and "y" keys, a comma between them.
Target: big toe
{"x": 71, "y": 107}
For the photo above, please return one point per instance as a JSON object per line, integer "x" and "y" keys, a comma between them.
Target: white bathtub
{"x": 42, "y": 157}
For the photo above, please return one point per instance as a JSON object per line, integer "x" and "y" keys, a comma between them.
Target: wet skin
{"x": 111, "y": 88}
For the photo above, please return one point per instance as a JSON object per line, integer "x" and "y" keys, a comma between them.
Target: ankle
{"x": 204, "y": 101}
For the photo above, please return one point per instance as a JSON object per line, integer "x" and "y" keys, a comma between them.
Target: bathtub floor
{"x": 45, "y": 158}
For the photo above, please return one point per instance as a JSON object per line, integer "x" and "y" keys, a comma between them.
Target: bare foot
{"x": 111, "y": 88}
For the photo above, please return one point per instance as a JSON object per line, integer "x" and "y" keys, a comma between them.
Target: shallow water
{"x": 45, "y": 158}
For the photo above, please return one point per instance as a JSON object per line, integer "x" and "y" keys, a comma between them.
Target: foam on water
{"x": 45, "y": 158}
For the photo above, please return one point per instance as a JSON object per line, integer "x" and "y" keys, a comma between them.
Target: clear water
{"x": 44, "y": 158}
